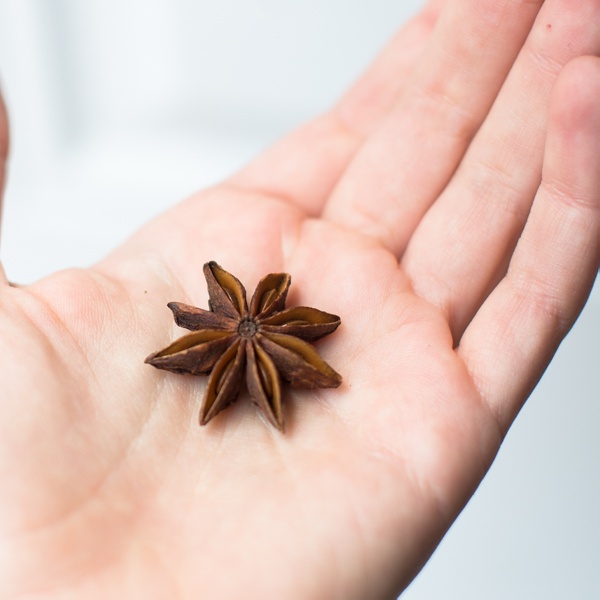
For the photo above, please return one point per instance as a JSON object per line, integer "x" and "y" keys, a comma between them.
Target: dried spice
{"x": 261, "y": 344}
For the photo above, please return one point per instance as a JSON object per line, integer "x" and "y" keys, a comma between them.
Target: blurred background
{"x": 120, "y": 108}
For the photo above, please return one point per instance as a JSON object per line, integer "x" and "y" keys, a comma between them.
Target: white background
{"x": 122, "y": 107}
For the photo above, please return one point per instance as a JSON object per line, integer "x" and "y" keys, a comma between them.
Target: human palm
{"x": 399, "y": 210}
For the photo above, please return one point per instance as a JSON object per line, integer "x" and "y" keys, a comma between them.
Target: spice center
{"x": 247, "y": 328}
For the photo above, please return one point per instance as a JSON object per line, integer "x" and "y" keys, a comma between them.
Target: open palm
{"x": 415, "y": 211}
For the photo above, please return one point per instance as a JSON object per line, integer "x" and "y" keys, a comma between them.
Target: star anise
{"x": 263, "y": 344}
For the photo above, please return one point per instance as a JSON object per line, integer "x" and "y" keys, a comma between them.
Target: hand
{"x": 447, "y": 209}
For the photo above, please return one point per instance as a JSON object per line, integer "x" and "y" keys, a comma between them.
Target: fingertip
{"x": 573, "y": 143}
{"x": 4, "y": 135}
{"x": 4, "y": 141}
{"x": 576, "y": 92}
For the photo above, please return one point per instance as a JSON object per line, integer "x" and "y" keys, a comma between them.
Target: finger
{"x": 3, "y": 151}
{"x": 304, "y": 167}
{"x": 402, "y": 169}
{"x": 515, "y": 333}
{"x": 463, "y": 244}
{"x": 3, "y": 158}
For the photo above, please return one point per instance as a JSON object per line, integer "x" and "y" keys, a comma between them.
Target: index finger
{"x": 305, "y": 166}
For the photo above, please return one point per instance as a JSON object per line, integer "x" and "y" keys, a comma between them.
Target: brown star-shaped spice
{"x": 263, "y": 344}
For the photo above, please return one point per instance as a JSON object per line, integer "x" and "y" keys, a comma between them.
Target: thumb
{"x": 3, "y": 148}
{"x": 3, "y": 157}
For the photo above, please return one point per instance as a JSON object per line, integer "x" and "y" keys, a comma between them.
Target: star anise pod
{"x": 263, "y": 344}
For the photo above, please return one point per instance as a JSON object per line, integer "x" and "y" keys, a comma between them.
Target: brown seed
{"x": 261, "y": 344}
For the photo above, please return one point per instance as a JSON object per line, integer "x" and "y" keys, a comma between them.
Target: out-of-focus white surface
{"x": 122, "y": 107}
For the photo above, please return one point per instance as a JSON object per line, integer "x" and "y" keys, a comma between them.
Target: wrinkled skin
{"x": 447, "y": 209}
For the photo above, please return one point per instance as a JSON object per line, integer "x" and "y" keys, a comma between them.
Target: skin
{"x": 448, "y": 208}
